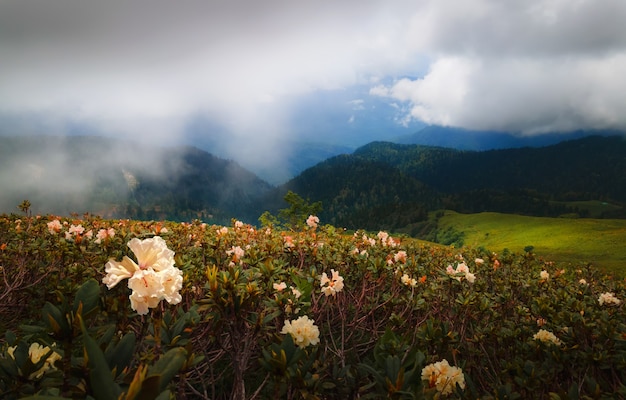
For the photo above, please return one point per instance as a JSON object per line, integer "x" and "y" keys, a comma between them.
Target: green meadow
{"x": 600, "y": 242}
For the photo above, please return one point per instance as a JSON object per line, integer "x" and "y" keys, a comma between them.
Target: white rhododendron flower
{"x": 303, "y": 331}
{"x": 608, "y": 298}
{"x": 400, "y": 257}
{"x": 279, "y": 286}
{"x": 152, "y": 278}
{"x": 104, "y": 234}
{"x": 547, "y": 337}
{"x": 443, "y": 376}
{"x": 295, "y": 292}
{"x": 54, "y": 227}
{"x": 331, "y": 286}
{"x": 117, "y": 271}
{"x": 544, "y": 275}
{"x": 237, "y": 252}
{"x": 461, "y": 268}
{"x": 76, "y": 229}
{"x": 172, "y": 281}
{"x": 312, "y": 221}
{"x": 408, "y": 281}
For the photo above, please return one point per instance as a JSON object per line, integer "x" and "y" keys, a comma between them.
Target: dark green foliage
{"x": 298, "y": 211}
{"x": 391, "y": 186}
{"x": 362, "y": 193}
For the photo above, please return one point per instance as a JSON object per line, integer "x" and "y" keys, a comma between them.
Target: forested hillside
{"x": 390, "y": 185}
{"x": 360, "y": 192}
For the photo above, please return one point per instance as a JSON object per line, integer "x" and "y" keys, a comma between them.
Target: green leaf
{"x": 9, "y": 367}
{"x": 10, "y": 338}
{"x": 55, "y": 319}
{"x": 120, "y": 356}
{"x": 89, "y": 296}
{"x": 168, "y": 366}
{"x": 100, "y": 377}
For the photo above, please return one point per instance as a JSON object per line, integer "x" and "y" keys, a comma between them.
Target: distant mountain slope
{"x": 123, "y": 179}
{"x": 364, "y": 193}
{"x": 589, "y": 168}
{"x": 385, "y": 185}
{"x": 465, "y": 139}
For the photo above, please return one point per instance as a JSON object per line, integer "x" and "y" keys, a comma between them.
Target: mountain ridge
{"x": 381, "y": 185}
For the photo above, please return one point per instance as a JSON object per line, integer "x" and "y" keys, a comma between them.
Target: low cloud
{"x": 240, "y": 76}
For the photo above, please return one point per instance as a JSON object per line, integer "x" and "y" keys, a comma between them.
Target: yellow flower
{"x": 547, "y": 337}
{"x": 35, "y": 352}
{"x": 303, "y": 331}
{"x": 443, "y": 376}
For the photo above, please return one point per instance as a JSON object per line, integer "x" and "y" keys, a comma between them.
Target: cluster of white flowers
{"x": 290, "y": 306}
{"x": 279, "y": 287}
{"x": 386, "y": 240}
{"x": 544, "y": 275}
{"x": 104, "y": 234}
{"x": 400, "y": 257}
{"x": 35, "y": 352}
{"x": 236, "y": 252}
{"x": 54, "y": 227}
{"x": 78, "y": 232}
{"x": 289, "y": 241}
{"x": 461, "y": 271}
{"x": 408, "y": 281}
{"x": 152, "y": 279}
{"x": 547, "y": 337}
{"x": 312, "y": 221}
{"x": 303, "y": 331}
{"x": 443, "y": 376}
{"x": 608, "y": 298}
{"x": 365, "y": 240}
{"x": 333, "y": 285}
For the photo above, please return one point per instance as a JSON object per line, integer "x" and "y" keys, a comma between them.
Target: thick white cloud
{"x": 143, "y": 68}
{"x": 529, "y": 67}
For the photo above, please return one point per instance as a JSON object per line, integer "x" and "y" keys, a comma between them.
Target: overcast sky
{"x": 263, "y": 71}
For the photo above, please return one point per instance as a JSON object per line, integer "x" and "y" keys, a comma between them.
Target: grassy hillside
{"x": 596, "y": 241}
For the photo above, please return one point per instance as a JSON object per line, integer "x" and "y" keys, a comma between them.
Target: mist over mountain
{"x": 123, "y": 179}
{"x": 466, "y": 139}
{"x": 291, "y": 157}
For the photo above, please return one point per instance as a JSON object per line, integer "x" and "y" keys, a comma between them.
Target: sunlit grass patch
{"x": 596, "y": 241}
